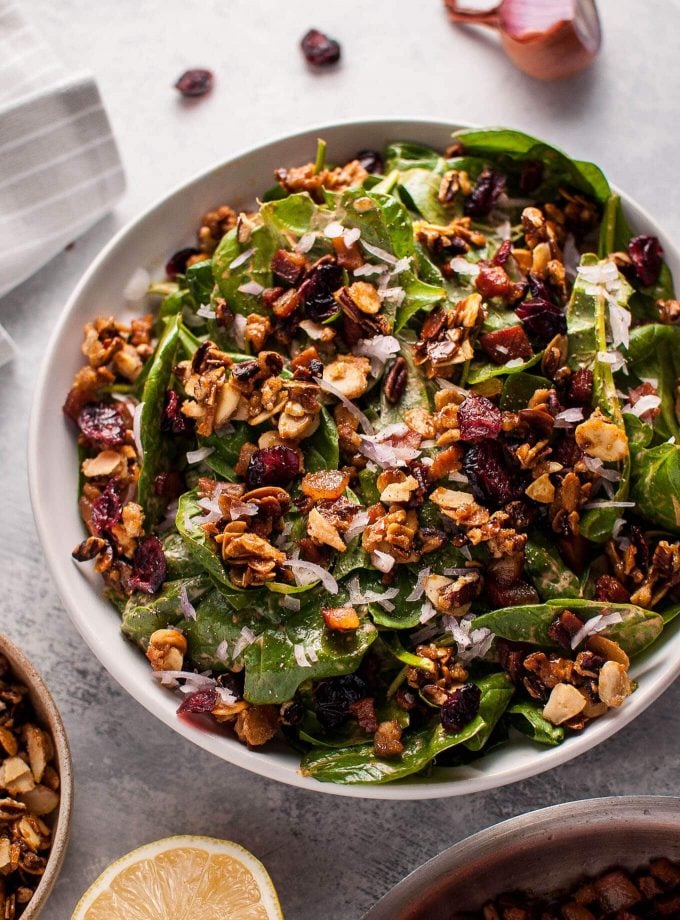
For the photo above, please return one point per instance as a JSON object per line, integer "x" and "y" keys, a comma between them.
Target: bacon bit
{"x": 341, "y": 619}
{"x": 503, "y": 345}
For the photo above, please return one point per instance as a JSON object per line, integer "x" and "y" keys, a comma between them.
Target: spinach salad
{"x": 392, "y": 473}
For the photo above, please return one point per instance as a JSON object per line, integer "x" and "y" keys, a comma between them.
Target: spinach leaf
{"x": 272, "y": 672}
{"x": 530, "y": 622}
{"x": 419, "y": 190}
{"x": 528, "y": 718}
{"x": 654, "y": 351}
{"x": 519, "y": 388}
{"x": 418, "y": 295}
{"x": 153, "y": 403}
{"x": 205, "y": 551}
{"x": 293, "y": 213}
{"x": 355, "y": 557}
{"x": 144, "y": 614}
{"x": 216, "y": 623}
{"x": 656, "y": 484}
{"x": 180, "y": 562}
{"x": 264, "y": 242}
{"x": 361, "y": 765}
{"x": 321, "y": 450}
{"x": 512, "y": 147}
{"x": 227, "y": 448}
{"x": 200, "y": 281}
{"x": 404, "y": 155}
{"x": 551, "y": 577}
{"x": 480, "y": 371}
{"x": 587, "y": 330}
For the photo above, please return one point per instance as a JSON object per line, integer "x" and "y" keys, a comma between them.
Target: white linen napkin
{"x": 60, "y": 170}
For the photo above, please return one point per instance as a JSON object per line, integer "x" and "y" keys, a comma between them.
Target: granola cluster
{"x": 29, "y": 796}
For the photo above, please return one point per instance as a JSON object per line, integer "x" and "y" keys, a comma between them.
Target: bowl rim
{"x": 635, "y": 809}
{"x": 42, "y": 699}
{"x": 414, "y": 788}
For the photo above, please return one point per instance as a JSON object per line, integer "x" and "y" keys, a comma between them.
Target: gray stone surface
{"x": 137, "y": 780}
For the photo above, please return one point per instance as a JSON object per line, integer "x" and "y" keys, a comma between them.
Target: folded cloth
{"x": 60, "y": 170}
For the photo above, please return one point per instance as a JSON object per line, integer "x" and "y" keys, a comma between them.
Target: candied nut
{"x": 107, "y": 463}
{"x": 399, "y": 491}
{"x": 608, "y": 649}
{"x": 387, "y": 739}
{"x": 349, "y": 375}
{"x": 564, "y": 703}
{"x": 8, "y": 741}
{"x": 10, "y": 809}
{"x": 451, "y": 501}
{"x": 434, "y": 585}
{"x": 396, "y": 380}
{"x": 541, "y": 490}
{"x": 340, "y": 619}
{"x": 601, "y": 438}
{"x": 39, "y": 750}
{"x": 365, "y": 297}
{"x": 257, "y": 724}
{"x": 323, "y": 531}
{"x": 614, "y": 684}
{"x": 16, "y": 776}
{"x": 166, "y": 650}
{"x": 420, "y": 420}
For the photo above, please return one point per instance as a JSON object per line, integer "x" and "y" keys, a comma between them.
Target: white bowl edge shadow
{"x": 147, "y": 241}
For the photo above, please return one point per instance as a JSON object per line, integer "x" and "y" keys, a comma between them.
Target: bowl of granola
{"x": 36, "y": 784}
{"x": 376, "y": 462}
{"x": 615, "y": 857}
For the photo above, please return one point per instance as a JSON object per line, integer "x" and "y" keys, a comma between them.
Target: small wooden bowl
{"x": 48, "y": 717}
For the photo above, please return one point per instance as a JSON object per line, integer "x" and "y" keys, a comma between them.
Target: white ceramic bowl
{"x": 147, "y": 242}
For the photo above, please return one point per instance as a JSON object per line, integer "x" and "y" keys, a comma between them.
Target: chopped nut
{"x": 349, "y": 375}
{"x": 257, "y": 724}
{"x": 387, "y": 740}
{"x": 564, "y": 703}
{"x": 365, "y": 297}
{"x": 399, "y": 491}
{"x": 601, "y": 438}
{"x": 41, "y": 800}
{"x": 166, "y": 650}
{"x": 16, "y": 776}
{"x": 614, "y": 684}
{"x": 323, "y": 531}
{"x": 541, "y": 490}
{"x": 39, "y": 750}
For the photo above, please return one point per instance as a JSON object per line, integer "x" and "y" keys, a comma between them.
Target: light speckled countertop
{"x": 135, "y": 779}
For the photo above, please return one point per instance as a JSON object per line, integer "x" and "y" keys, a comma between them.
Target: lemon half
{"x": 182, "y": 878}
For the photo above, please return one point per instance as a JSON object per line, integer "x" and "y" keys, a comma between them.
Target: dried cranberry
{"x": 580, "y": 387}
{"x": 641, "y": 544}
{"x": 196, "y": 82}
{"x": 292, "y": 713}
{"x": 503, "y": 253}
{"x": 564, "y": 627}
{"x": 478, "y": 419}
{"x": 538, "y": 287}
{"x": 492, "y": 280}
{"x": 319, "y": 49}
{"x": 102, "y": 424}
{"x": 566, "y": 451}
{"x": 316, "y": 291}
{"x": 272, "y": 466}
{"x": 333, "y": 697}
{"x": 531, "y": 176}
{"x": 503, "y": 345}
{"x": 485, "y": 194}
{"x": 510, "y": 595}
{"x": 106, "y": 509}
{"x": 168, "y": 485}
{"x": 492, "y": 478}
{"x": 646, "y": 254}
{"x": 371, "y": 161}
{"x": 149, "y": 567}
{"x": 174, "y": 421}
{"x": 542, "y": 319}
{"x": 608, "y": 588}
{"x": 177, "y": 263}
{"x": 460, "y": 708}
{"x": 199, "y": 701}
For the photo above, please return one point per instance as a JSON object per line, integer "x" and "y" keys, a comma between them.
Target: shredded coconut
{"x": 595, "y": 625}
{"x": 243, "y": 257}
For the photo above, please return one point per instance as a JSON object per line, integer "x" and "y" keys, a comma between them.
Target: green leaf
{"x": 481, "y": 371}
{"x": 153, "y": 403}
{"x": 544, "y": 565}
{"x": 180, "y": 562}
{"x": 418, "y": 296}
{"x": 215, "y": 623}
{"x": 654, "y": 352}
{"x": 200, "y": 281}
{"x": 507, "y": 148}
{"x": 264, "y": 242}
{"x": 355, "y": 557}
{"x": 656, "y": 485}
{"x": 293, "y": 213}
{"x": 361, "y": 765}
{"x": 404, "y": 155}
{"x": 272, "y": 672}
{"x": 519, "y": 388}
{"x": 394, "y": 646}
{"x": 530, "y": 622}
{"x": 226, "y": 450}
{"x": 528, "y": 718}
{"x": 419, "y": 189}
{"x": 143, "y": 614}
{"x": 321, "y": 450}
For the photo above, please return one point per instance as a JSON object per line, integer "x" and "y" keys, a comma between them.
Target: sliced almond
{"x": 38, "y": 750}
{"x": 323, "y": 531}
{"x": 608, "y": 649}
{"x": 614, "y": 684}
{"x": 399, "y": 491}
{"x": 564, "y": 703}
{"x": 16, "y": 776}
{"x": 40, "y": 800}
